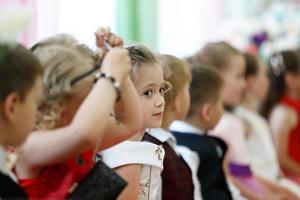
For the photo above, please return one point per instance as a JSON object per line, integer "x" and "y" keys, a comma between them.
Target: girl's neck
{"x": 138, "y": 136}
{"x": 250, "y": 102}
{"x": 293, "y": 93}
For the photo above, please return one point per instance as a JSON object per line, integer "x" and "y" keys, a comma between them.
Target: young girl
{"x": 230, "y": 62}
{"x": 141, "y": 163}
{"x": 283, "y": 109}
{"x": 74, "y": 116}
{"x": 20, "y": 93}
{"x": 263, "y": 160}
{"x": 179, "y": 176}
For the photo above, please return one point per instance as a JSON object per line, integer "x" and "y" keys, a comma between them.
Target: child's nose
{"x": 160, "y": 101}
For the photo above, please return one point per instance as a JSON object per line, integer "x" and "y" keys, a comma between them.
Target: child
{"x": 74, "y": 116}
{"x": 282, "y": 107}
{"x": 179, "y": 176}
{"x": 20, "y": 93}
{"x": 205, "y": 111}
{"x": 141, "y": 163}
{"x": 263, "y": 160}
{"x": 231, "y": 64}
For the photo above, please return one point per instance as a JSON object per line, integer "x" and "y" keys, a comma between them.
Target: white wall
{"x": 79, "y": 18}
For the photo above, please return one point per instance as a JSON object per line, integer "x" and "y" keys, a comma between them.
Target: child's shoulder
{"x": 282, "y": 114}
{"x": 134, "y": 152}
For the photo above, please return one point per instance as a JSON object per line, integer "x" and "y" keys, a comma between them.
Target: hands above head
{"x": 117, "y": 62}
{"x": 105, "y": 35}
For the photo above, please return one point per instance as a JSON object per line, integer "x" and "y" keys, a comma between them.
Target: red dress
{"x": 294, "y": 136}
{"x": 55, "y": 182}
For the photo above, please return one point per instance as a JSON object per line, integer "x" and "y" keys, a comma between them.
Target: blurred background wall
{"x": 178, "y": 27}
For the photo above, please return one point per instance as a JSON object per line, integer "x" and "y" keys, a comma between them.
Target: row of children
{"x": 205, "y": 155}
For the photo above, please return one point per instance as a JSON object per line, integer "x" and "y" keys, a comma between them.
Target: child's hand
{"x": 117, "y": 62}
{"x": 105, "y": 35}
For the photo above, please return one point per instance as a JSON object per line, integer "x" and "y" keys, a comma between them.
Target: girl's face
{"x": 149, "y": 85}
{"x": 260, "y": 83}
{"x": 234, "y": 81}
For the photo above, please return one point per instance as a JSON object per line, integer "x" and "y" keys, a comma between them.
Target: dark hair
{"x": 280, "y": 64}
{"x": 205, "y": 87}
{"x": 215, "y": 54}
{"x": 252, "y": 64}
{"x": 19, "y": 69}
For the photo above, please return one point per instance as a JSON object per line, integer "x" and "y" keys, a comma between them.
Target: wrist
{"x": 113, "y": 80}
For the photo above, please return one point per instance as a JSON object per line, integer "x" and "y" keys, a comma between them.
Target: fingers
{"x": 104, "y": 34}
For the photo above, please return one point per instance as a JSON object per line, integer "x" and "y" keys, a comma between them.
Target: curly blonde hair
{"x": 63, "y": 59}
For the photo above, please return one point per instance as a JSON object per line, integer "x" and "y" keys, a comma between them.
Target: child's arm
{"x": 130, "y": 121}
{"x": 276, "y": 189}
{"x": 131, "y": 173}
{"x": 281, "y": 122}
{"x": 242, "y": 188}
{"x": 87, "y": 127}
{"x": 128, "y": 111}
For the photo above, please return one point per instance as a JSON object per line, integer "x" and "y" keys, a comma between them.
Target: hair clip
{"x": 277, "y": 64}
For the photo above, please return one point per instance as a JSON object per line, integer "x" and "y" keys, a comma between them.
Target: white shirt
{"x": 7, "y": 162}
{"x": 147, "y": 154}
{"x": 186, "y": 128}
{"x": 190, "y": 157}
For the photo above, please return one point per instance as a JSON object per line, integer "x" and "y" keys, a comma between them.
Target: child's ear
{"x": 9, "y": 106}
{"x": 205, "y": 111}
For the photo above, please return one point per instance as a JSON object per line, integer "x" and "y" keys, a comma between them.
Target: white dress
{"x": 259, "y": 142}
{"x": 262, "y": 153}
{"x": 147, "y": 154}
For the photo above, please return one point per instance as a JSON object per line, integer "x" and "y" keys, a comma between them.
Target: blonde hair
{"x": 142, "y": 56}
{"x": 63, "y": 59}
{"x": 180, "y": 75}
{"x": 215, "y": 54}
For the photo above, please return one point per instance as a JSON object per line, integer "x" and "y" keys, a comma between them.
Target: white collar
{"x": 163, "y": 136}
{"x": 3, "y": 167}
{"x": 184, "y": 127}
{"x": 7, "y": 161}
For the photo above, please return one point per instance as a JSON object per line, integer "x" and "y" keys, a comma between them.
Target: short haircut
{"x": 19, "y": 69}
{"x": 205, "y": 87}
